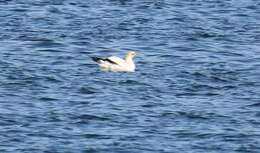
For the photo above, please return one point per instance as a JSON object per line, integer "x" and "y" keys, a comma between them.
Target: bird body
{"x": 116, "y": 64}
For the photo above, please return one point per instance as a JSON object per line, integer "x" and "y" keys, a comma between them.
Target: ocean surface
{"x": 196, "y": 88}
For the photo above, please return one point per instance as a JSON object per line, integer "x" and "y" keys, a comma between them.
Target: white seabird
{"x": 116, "y": 64}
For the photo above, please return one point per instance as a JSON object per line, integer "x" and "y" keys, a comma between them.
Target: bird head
{"x": 131, "y": 54}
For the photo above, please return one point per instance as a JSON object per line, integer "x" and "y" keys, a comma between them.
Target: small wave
{"x": 89, "y": 117}
{"x": 257, "y": 104}
{"x": 192, "y": 115}
{"x": 199, "y": 115}
{"x": 48, "y": 99}
{"x": 96, "y": 136}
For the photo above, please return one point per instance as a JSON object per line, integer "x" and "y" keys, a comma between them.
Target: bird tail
{"x": 96, "y": 59}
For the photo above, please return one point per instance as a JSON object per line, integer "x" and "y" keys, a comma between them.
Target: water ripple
{"x": 196, "y": 82}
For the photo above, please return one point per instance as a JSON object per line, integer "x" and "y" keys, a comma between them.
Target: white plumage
{"x": 116, "y": 64}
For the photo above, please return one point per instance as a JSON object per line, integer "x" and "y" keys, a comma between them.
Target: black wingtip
{"x": 96, "y": 59}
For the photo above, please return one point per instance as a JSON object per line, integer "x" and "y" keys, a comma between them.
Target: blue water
{"x": 196, "y": 88}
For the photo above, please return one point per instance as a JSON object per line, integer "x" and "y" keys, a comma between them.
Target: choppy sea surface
{"x": 196, "y": 88}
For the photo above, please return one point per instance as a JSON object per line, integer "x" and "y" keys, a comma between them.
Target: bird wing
{"x": 116, "y": 60}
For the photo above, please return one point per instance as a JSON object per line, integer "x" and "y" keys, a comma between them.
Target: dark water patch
{"x": 248, "y": 148}
{"x": 152, "y": 104}
{"x": 131, "y": 82}
{"x": 228, "y": 53}
{"x": 193, "y": 115}
{"x": 48, "y": 99}
{"x": 257, "y": 114}
{"x": 207, "y": 116}
{"x": 8, "y": 122}
{"x": 53, "y": 9}
{"x": 89, "y": 117}
{"x": 257, "y": 104}
{"x": 88, "y": 90}
{"x": 203, "y": 35}
{"x": 53, "y": 79}
{"x": 81, "y": 43}
{"x": 97, "y": 136}
{"x": 19, "y": 10}
{"x": 49, "y": 51}
{"x": 45, "y": 135}
{"x": 45, "y": 43}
